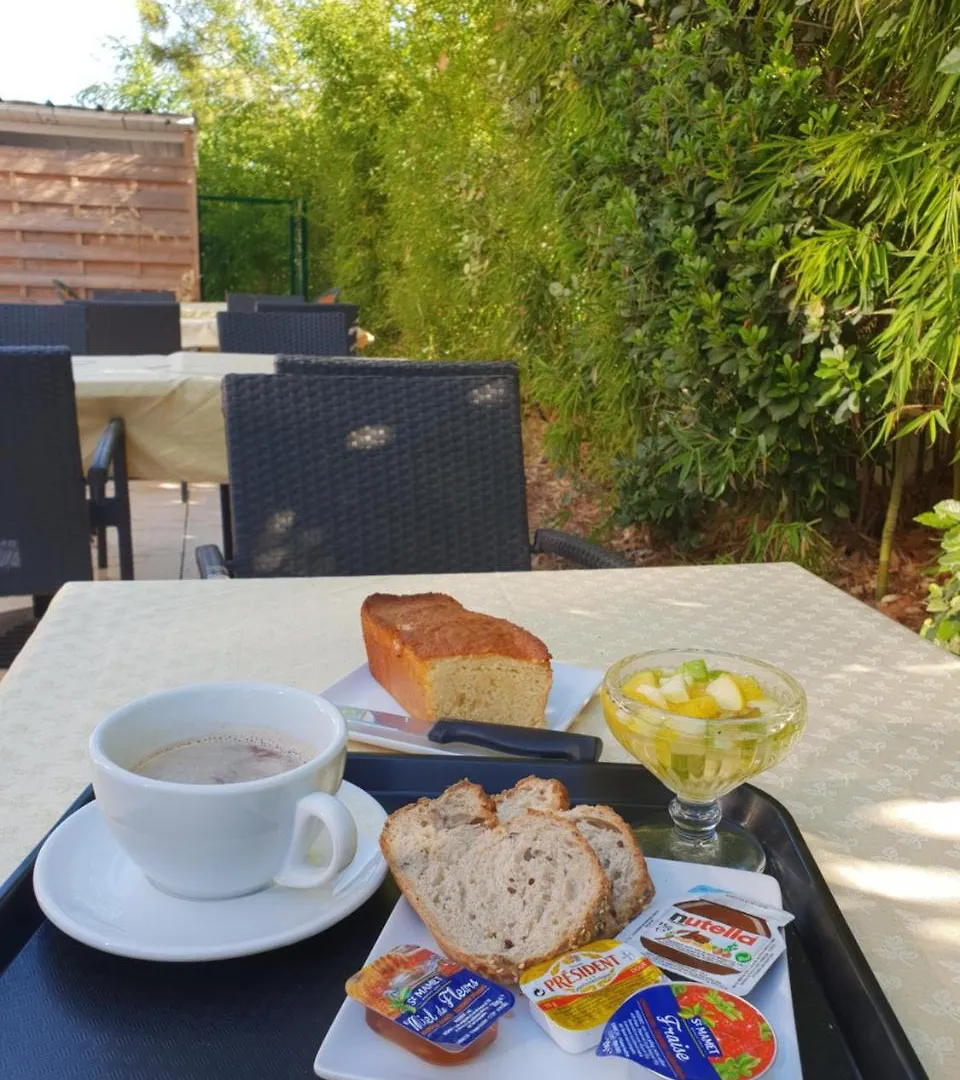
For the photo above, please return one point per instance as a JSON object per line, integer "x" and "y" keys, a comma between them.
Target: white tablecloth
{"x": 873, "y": 783}
{"x": 170, "y": 405}
{"x": 198, "y": 324}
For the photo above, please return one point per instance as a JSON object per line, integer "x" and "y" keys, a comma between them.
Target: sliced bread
{"x": 464, "y": 803}
{"x": 498, "y": 898}
{"x": 622, "y": 860}
{"x": 531, "y": 793}
{"x": 607, "y": 833}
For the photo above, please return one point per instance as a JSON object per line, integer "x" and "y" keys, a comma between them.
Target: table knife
{"x": 426, "y": 735}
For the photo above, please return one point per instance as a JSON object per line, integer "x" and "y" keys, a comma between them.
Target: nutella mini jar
{"x": 714, "y": 938}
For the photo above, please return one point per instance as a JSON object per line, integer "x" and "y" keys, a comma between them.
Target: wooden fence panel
{"x": 97, "y": 219}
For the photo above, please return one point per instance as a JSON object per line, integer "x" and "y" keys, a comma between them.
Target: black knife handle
{"x": 526, "y": 742}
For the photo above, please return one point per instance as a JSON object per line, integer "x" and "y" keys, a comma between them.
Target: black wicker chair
{"x": 279, "y": 303}
{"x": 46, "y": 518}
{"x": 326, "y": 334}
{"x": 352, "y": 311}
{"x": 246, "y": 303}
{"x": 44, "y": 324}
{"x": 128, "y": 328}
{"x": 156, "y": 296}
{"x": 363, "y": 469}
{"x": 371, "y": 365}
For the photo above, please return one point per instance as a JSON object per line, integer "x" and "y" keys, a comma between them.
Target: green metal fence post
{"x": 202, "y": 252}
{"x": 292, "y": 249}
{"x": 297, "y": 232}
{"x": 304, "y": 264}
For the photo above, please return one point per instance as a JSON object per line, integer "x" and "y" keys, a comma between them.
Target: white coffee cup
{"x": 215, "y": 841}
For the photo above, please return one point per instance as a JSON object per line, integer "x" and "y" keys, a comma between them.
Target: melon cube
{"x": 726, "y": 693}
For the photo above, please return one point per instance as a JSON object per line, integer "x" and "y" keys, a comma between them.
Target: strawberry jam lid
{"x": 687, "y": 1031}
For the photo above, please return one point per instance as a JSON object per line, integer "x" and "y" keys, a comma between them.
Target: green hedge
{"x": 720, "y": 237}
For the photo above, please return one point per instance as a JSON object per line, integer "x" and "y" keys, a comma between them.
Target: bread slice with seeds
{"x": 607, "y": 833}
{"x": 531, "y": 793}
{"x": 622, "y": 860}
{"x": 498, "y": 898}
{"x": 464, "y": 803}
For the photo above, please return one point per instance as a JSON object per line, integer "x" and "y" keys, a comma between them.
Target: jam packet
{"x": 573, "y": 996}
{"x": 715, "y": 938}
{"x": 429, "y": 1005}
{"x": 685, "y": 1031}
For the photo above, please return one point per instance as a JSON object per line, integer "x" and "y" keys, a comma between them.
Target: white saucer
{"x": 90, "y": 889}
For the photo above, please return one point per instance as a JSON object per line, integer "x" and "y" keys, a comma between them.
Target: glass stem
{"x": 695, "y": 822}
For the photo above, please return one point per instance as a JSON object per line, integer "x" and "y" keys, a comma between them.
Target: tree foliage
{"x": 722, "y": 237}
{"x": 943, "y": 602}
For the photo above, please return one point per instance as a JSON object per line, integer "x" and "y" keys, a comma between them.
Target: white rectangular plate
{"x": 351, "y": 1051}
{"x": 572, "y": 688}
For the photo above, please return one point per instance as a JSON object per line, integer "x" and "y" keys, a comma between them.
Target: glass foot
{"x": 731, "y": 846}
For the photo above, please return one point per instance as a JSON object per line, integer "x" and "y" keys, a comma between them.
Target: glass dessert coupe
{"x": 702, "y": 722}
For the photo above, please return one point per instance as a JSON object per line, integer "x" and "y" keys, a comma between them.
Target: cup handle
{"x": 296, "y": 872}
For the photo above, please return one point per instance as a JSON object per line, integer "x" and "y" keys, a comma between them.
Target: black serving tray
{"x": 70, "y": 1012}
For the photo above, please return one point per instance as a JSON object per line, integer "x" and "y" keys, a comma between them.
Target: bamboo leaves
{"x": 722, "y": 240}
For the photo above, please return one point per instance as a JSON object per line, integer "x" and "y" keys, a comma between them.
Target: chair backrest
{"x": 341, "y": 474}
{"x": 325, "y": 334}
{"x": 57, "y": 325}
{"x": 44, "y": 520}
{"x": 127, "y": 328}
{"x": 349, "y": 365}
{"x": 352, "y": 311}
{"x": 246, "y": 302}
{"x": 279, "y": 303}
{"x": 156, "y": 296}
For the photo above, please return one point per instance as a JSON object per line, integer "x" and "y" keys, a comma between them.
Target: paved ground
{"x": 165, "y": 532}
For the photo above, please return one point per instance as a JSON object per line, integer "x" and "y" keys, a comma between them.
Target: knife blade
{"x": 425, "y": 735}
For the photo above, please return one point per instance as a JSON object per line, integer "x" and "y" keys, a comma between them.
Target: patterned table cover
{"x": 198, "y": 324}
{"x": 170, "y": 406}
{"x": 873, "y": 783}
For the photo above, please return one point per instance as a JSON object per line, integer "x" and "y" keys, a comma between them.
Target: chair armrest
{"x": 582, "y": 552}
{"x": 211, "y": 563}
{"x": 110, "y": 439}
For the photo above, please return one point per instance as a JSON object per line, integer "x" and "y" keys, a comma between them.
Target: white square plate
{"x": 572, "y": 688}
{"x": 351, "y": 1051}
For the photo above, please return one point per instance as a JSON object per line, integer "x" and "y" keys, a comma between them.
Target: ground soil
{"x": 560, "y": 499}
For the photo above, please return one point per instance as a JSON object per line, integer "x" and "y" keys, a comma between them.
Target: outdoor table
{"x": 170, "y": 406}
{"x": 872, "y": 784}
{"x": 198, "y": 324}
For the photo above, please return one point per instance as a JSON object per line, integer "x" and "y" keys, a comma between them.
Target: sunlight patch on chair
{"x": 371, "y": 437}
{"x": 488, "y": 394}
{"x": 9, "y": 555}
{"x": 281, "y": 522}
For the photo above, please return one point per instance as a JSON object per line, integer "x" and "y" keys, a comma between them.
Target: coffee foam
{"x": 229, "y": 757}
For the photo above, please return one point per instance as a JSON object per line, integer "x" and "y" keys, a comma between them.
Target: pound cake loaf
{"x": 440, "y": 660}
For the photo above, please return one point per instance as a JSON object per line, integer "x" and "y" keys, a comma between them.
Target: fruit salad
{"x": 701, "y": 728}
{"x": 693, "y": 689}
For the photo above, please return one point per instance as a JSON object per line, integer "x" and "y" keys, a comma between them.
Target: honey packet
{"x": 430, "y": 1005}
